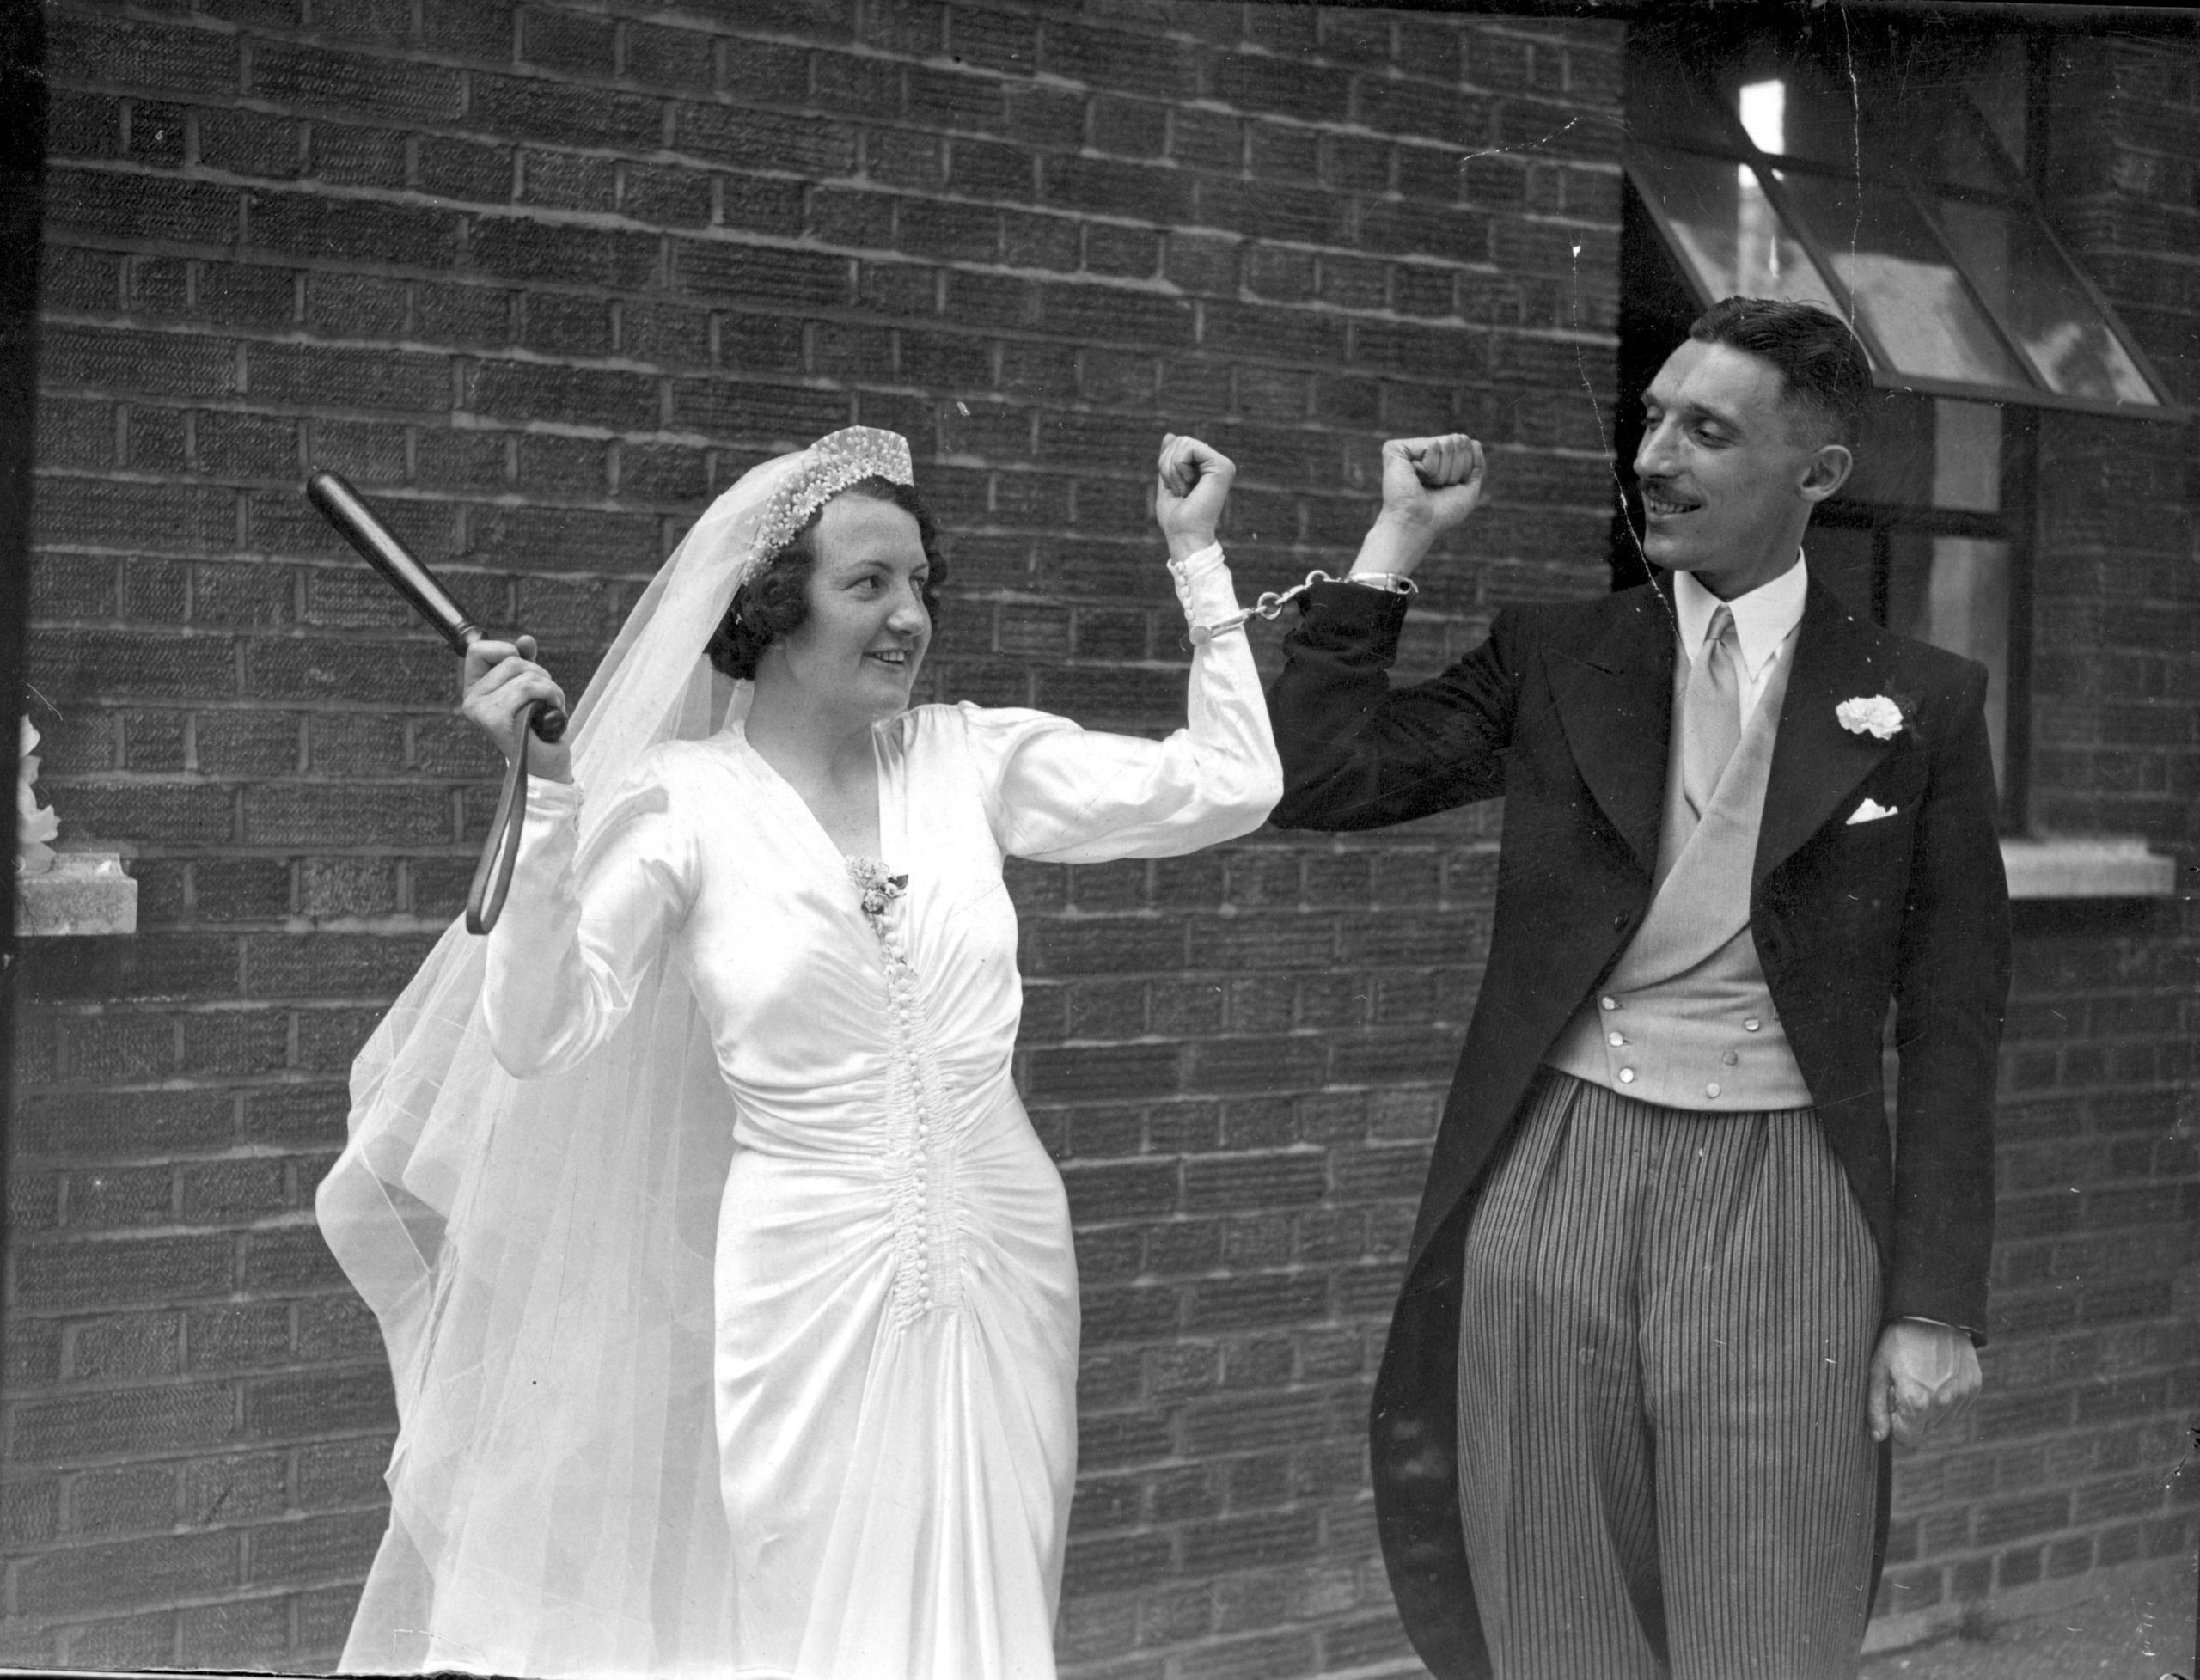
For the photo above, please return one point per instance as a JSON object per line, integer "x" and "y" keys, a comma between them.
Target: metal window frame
{"x": 2020, "y": 196}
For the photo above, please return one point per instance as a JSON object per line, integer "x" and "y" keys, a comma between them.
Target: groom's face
{"x": 1729, "y": 464}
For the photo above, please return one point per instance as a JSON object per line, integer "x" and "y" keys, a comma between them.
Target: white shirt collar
{"x": 1764, "y": 618}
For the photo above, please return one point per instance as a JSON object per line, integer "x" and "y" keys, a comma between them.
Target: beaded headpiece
{"x": 829, "y": 466}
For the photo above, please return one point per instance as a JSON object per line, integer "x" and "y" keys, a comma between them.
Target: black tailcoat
{"x": 1566, "y": 711}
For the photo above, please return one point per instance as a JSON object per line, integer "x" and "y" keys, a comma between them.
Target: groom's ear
{"x": 1825, "y": 472}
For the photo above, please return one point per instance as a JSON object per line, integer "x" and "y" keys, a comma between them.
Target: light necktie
{"x": 1711, "y": 710}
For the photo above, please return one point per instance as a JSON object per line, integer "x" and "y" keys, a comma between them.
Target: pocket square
{"x": 1871, "y": 811}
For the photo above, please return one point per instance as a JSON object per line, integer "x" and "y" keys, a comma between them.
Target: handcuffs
{"x": 1270, "y": 605}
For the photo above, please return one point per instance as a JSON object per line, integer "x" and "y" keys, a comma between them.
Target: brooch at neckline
{"x": 879, "y": 888}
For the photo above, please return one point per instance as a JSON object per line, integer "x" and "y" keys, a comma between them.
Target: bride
{"x": 729, "y": 1294}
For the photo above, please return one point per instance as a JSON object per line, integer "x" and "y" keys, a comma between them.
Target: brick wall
{"x": 2071, "y": 1462}
{"x": 540, "y": 280}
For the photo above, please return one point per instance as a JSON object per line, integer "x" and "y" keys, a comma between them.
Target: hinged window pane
{"x": 1907, "y": 292}
{"x": 2025, "y": 278}
{"x": 1727, "y": 229}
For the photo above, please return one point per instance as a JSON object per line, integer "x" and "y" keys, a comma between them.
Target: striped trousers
{"x": 1664, "y": 1463}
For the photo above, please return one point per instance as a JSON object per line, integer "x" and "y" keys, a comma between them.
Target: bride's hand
{"x": 501, "y": 677}
{"x": 1191, "y": 486}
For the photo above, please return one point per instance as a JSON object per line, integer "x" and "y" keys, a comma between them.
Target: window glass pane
{"x": 1797, "y": 109}
{"x": 1961, "y": 153}
{"x": 1928, "y": 452}
{"x": 1726, "y": 230}
{"x": 1894, "y": 452}
{"x": 1967, "y": 455}
{"x": 1997, "y": 88}
{"x": 1954, "y": 593}
{"x": 1792, "y": 108}
{"x": 1905, "y": 289}
{"x": 2011, "y": 261}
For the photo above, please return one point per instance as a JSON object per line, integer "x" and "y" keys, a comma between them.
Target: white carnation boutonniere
{"x": 1876, "y": 715}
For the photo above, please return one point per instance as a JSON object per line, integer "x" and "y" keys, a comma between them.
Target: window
{"x": 1885, "y": 168}
{"x": 1889, "y": 185}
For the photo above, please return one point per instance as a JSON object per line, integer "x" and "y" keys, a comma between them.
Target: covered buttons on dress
{"x": 921, "y": 1174}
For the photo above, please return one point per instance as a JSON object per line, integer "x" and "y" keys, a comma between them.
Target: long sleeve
{"x": 1064, "y": 794}
{"x": 1361, "y": 754}
{"x": 578, "y": 932}
{"x": 1952, "y": 985}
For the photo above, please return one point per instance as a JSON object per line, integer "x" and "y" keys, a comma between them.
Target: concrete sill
{"x": 2087, "y": 868}
{"x": 84, "y": 893}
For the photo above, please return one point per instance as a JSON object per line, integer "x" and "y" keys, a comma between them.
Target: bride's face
{"x": 859, "y": 648}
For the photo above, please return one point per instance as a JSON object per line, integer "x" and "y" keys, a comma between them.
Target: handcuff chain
{"x": 1270, "y": 605}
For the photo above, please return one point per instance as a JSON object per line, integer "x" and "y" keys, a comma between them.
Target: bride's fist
{"x": 1191, "y": 485}
{"x": 502, "y": 677}
{"x": 1431, "y": 484}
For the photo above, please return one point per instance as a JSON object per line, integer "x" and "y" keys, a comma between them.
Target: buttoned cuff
{"x": 1204, "y": 589}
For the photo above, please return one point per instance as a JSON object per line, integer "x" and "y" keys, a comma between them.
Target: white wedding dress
{"x": 896, "y": 1308}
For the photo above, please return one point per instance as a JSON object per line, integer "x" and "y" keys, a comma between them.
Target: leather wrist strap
{"x": 492, "y": 876}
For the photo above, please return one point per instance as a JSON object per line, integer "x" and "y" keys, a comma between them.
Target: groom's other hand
{"x": 1923, "y": 1375}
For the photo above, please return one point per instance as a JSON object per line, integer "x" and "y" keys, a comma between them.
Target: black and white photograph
{"x": 1101, "y": 840}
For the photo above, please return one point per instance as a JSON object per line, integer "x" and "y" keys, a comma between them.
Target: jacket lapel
{"x": 1815, "y": 763}
{"x": 1614, "y": 701}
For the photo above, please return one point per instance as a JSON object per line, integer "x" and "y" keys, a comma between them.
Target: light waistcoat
{"x": 1686, "y": 1020}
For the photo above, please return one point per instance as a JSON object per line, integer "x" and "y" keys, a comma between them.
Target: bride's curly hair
{"x": 775, "y": 601}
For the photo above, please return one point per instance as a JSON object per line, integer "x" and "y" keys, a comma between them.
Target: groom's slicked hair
{"x": 1822, "y": 363}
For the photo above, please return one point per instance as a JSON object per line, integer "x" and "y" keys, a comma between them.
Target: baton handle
{"x": 378, "y": 545}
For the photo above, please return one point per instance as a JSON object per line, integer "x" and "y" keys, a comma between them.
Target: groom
{"x": 1673, "y": 1278}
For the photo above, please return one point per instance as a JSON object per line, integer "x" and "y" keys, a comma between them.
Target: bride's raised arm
{"x": 1060, "y": 792}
